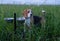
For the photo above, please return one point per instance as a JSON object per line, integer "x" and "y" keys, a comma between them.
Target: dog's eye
{"x": 28, "y": 11}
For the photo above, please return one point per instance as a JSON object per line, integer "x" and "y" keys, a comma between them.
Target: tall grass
{"x": 50, "y": 33}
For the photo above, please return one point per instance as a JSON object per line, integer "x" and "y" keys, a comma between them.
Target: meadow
{"x": 51, "y": 32}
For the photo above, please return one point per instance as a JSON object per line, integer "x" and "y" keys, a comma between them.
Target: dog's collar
{"x": 27, "y": 17}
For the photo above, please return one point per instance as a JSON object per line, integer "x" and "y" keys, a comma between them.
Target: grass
{"x": 50, "y": 33}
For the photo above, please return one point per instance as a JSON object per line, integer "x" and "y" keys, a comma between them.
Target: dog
{"x": 35, "y": 20}
{"x": 27, "y": 15}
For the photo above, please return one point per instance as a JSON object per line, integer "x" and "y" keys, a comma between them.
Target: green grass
{"x": 50, "y": 33}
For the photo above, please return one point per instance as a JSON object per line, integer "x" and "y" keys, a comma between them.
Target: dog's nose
{"x": 30, "y": 14}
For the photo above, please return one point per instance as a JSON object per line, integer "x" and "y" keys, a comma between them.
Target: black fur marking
{"x": 37, "y": 20}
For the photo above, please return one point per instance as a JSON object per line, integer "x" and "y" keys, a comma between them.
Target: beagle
{"x": 31, "y": 19}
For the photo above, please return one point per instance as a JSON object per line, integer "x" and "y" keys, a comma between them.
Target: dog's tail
{"x": 43, "y": 18}
{"x": 43, "y": 13}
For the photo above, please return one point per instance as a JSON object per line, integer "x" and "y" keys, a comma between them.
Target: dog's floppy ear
{"x": 25, "y": 13}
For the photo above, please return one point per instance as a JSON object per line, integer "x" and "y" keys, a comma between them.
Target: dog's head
{"x": 27, "y": 13}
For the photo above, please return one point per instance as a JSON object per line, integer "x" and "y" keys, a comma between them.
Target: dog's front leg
{"x": 24, "y": 27}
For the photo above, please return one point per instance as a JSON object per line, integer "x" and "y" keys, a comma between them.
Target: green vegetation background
{"x": 50, "y": 33}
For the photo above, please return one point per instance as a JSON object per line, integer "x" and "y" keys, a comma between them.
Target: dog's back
{"x": 37, "y": 20}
